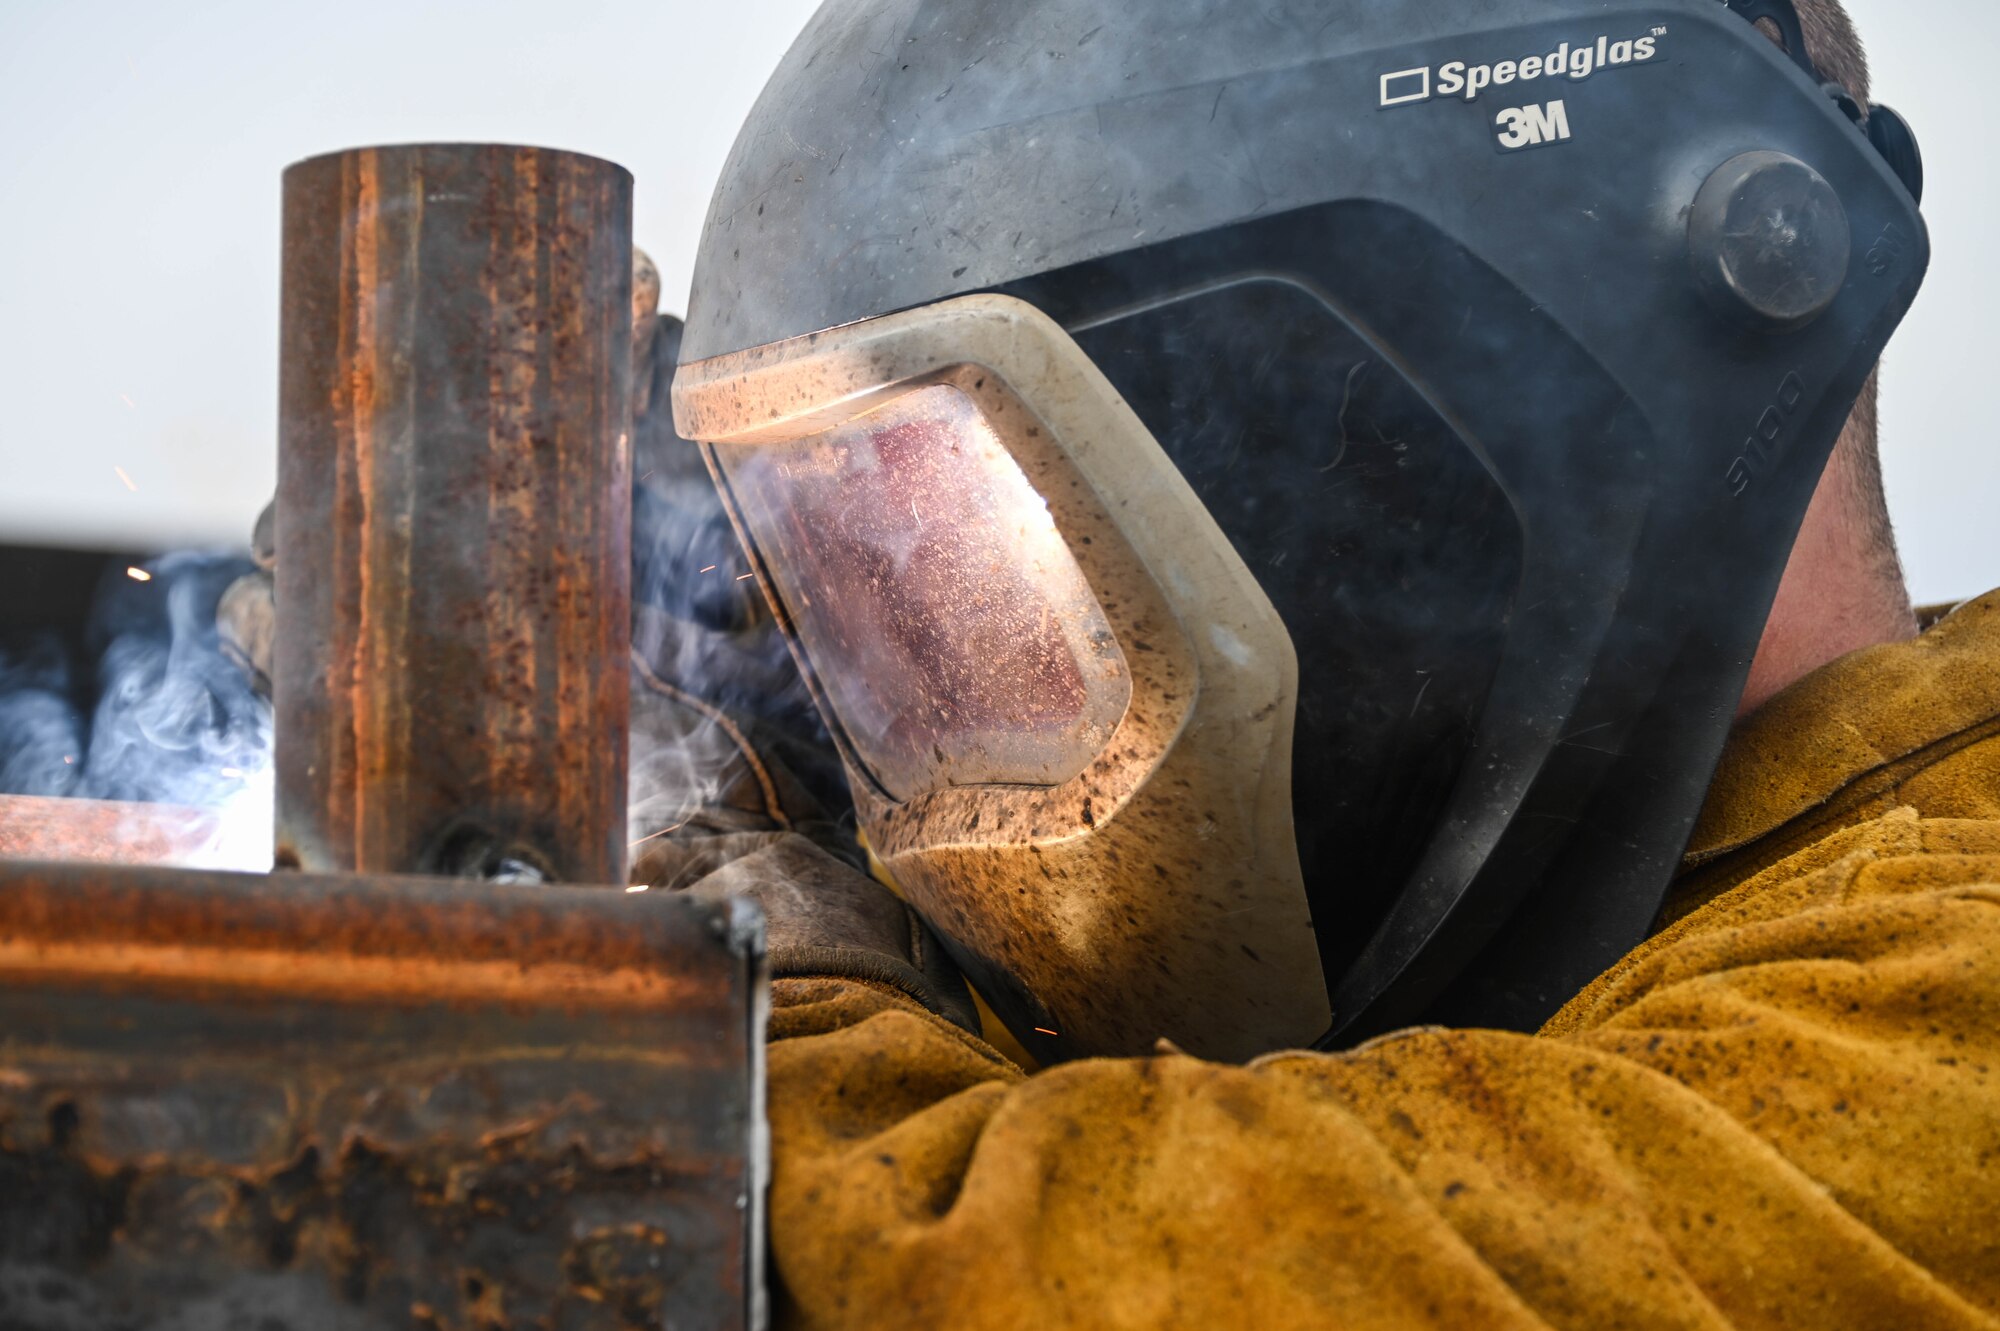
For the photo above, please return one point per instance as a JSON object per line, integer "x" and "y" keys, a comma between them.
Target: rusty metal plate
{"x": 104, "y": 832}
{"x": 297, "y": 1102}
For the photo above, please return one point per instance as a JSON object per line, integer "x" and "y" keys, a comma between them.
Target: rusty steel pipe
{"x": 454, "y": 510}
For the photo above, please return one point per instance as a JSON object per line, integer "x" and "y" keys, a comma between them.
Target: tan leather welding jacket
{"x": 1782, "y": 1111}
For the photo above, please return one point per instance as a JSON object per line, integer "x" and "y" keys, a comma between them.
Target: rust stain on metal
{"x": 454, "y": 512}
{"x": 435, "y": 1142}
{"x": 103, "y": 831}
{"x": 422, "y": 941}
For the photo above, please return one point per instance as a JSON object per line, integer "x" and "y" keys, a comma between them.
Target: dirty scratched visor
{"x": 950, "y": 627}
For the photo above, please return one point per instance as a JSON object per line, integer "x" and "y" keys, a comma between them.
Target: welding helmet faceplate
{"x": 1277, "y": 505}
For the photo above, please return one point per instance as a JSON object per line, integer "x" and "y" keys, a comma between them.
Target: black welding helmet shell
{"x": 1498, "y": 350}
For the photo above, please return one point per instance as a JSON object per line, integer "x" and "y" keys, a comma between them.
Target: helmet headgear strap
{"x": 1887, "y": 131}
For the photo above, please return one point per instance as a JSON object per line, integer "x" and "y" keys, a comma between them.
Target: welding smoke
{"x": 725, "y": 736}
{"x": 175, "y": 721}
{"x": 41, "y": 739}
{"x": 145, "y": 708}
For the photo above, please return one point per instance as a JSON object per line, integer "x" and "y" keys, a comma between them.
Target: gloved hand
{"x": 823, "y": 917}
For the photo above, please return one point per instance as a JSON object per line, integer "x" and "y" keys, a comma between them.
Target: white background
{"x": 141, "y": 146}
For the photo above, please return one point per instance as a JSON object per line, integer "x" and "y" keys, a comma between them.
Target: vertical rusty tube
{"x": 454, "y": 513}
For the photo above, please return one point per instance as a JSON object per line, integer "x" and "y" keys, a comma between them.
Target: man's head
{"x": 1278, "y": 512}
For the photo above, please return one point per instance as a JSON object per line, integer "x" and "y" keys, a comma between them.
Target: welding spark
{"x": 711, "y": 568}
{"x": 128, "y": 402}
{"x": 638, "y": 887}
{"x": 1043, "y": 1030}
{"x": 68, "y": 759}
{"x": 746, "y": 577}
{"x": 123, "y": 477}
{"x": 138, "y": 575}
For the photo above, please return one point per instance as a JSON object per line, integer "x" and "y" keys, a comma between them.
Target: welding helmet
{"x": 1276, "y": 502}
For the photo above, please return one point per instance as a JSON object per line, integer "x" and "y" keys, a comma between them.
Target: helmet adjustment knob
{"x": 1770, "y": 241}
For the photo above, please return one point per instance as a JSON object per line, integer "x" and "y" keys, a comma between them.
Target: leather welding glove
{"x": 823, "y": 918}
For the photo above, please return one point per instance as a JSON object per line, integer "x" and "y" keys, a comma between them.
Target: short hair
{"x": 1834, "y": 46}
{"x": 1831, "y": 43}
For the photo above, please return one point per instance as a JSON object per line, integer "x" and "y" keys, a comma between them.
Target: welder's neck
{"x": 1843, "y": 587}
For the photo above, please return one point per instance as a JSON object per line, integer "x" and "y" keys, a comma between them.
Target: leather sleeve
{"x": 1783, "y": 1112}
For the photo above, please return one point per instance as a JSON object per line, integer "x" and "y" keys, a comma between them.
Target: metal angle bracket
{"x": 336, "y": 1102}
